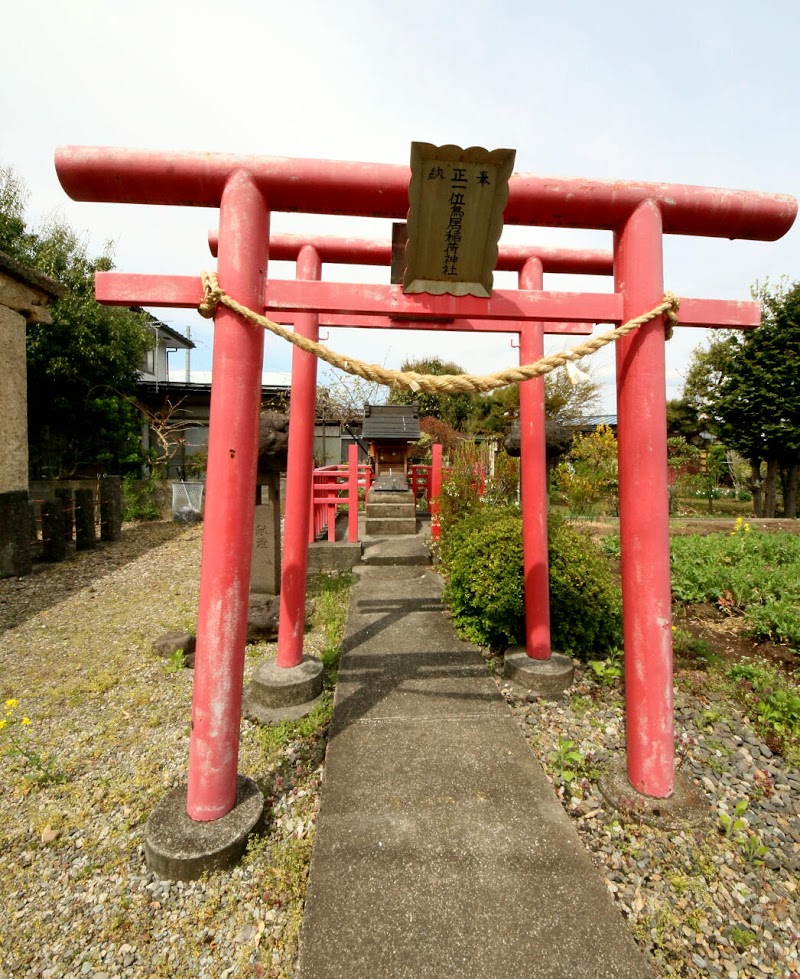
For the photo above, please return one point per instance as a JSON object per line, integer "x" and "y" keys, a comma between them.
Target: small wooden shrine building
{"x": 389, "y": 431}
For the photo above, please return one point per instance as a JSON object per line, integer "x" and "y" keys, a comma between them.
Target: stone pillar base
{"x": 686, "y": 806}
{"x": 179, "y": 848}
{"x": 278, "y": 693}
{"x": 542, "y": 677}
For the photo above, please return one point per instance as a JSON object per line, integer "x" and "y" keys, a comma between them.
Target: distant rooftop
{"x": 269, "y": 379}
{"x": 595, "y": 421}
{"x": 172, "y": 339}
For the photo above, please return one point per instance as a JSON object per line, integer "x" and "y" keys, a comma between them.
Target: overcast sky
{"x": 704, "y": 92}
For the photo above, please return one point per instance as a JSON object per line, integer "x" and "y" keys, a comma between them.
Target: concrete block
{"x": 179, "y": 848}
{"x": 542, "y": 677}
{"x": 391, "y": 526}
{"x": 333, "y": 556}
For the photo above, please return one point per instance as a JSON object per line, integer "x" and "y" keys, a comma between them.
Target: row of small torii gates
{"x": 246, "y": 190}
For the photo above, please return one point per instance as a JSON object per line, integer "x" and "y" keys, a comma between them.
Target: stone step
{"x": 390, "y": 509}
{"x": 396, "y": 551}
{"x": 390, "y": 526}
{"x": 400, "y": 496}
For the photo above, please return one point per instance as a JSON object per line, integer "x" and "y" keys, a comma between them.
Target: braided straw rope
{"x": 214, "y": 296}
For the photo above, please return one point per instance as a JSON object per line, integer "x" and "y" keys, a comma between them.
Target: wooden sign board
{"x": 455, "y": 218}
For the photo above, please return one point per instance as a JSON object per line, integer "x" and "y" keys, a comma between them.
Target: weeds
{"x": 772, "y": 701}
{"x": 331, "y": 595}
{"x": 733, "y": 823}
{"x": 744, "y": 572}
{"x": 15, "y": 731}
{"x": 176, "y": 662}
{"x": 734, "y": 826}
{"x": 569, "y": 763}
{"x": 608, "y": 671}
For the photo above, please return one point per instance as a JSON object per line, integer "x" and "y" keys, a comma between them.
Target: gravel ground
{"x": 77, "y": 900}
{"x": 702, "y": 901}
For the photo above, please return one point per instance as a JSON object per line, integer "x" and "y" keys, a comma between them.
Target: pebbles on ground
{"x": 77, "y": 899}
{"x": 715, "y": 899}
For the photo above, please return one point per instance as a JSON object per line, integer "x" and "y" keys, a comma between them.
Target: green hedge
{"x": 482, "y": 561}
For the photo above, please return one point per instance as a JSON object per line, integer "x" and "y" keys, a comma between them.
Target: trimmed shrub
{"x": 482, "y": 561}
{"x": 585, "y": 602}
{"x": 142, "y": 499}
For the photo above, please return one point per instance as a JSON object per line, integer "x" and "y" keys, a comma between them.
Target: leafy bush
{"x": 744, "y": 572}
{"x": 482, "y": 561}
{"x": 469, "y": 485}
{"x": 585, "y": 602}
{"x": 141, "y": 498}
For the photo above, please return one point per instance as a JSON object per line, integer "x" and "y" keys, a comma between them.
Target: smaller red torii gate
{"x": 247, "y": 189}
{"x": 529, "y": 263}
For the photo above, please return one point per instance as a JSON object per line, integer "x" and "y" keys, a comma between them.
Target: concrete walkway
{"x": 441, "y": 850}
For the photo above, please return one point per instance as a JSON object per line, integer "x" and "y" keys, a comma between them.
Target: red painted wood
{"x": 123, "y": 289}
{"x": 533, "y": 482}
{"x": 229, "y": 512}
{"x": 299, "y": 466}
{"x": 644, "y": 511}
{"x": 363, "y": 251}
{"x": 91, "y": 173}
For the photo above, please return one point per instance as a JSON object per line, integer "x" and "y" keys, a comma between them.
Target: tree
{"x": 342, "y": 396}
{"x": 684, "y": 421}
{"x": 749, "y": 387}
{"x": 82, "y": 369}
{"x": 568, "y": 401}
{"x": 434, "y": 431}
{"x": 451, "y": 408}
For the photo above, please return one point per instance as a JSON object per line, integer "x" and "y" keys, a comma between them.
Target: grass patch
{"x": 331, "y": 597}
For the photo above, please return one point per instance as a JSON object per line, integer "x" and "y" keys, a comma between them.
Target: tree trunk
{"x": 755, "y": 487}
{"x": 789, "y": 479}
{"x": 770, "y": 487}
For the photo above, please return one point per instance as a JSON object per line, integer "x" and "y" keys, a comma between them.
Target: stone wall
{"x": 24, "y": 294}
{"x": 13, "y": 404}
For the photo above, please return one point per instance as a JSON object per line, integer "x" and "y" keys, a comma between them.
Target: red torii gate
{"x": 247, "y": 189}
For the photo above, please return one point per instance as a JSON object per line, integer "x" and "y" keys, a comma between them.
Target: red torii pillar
{"x": 638, "y": 213}
{"x": 644, "y": 516}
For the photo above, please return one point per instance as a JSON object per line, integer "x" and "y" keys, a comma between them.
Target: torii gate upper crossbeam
{"x": 91, "y": 173}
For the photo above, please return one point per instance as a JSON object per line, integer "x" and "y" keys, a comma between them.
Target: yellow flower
{"x": 26, "y": 720}
{"x": 3, "y": 724}
{"x": 11, "y": 704}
